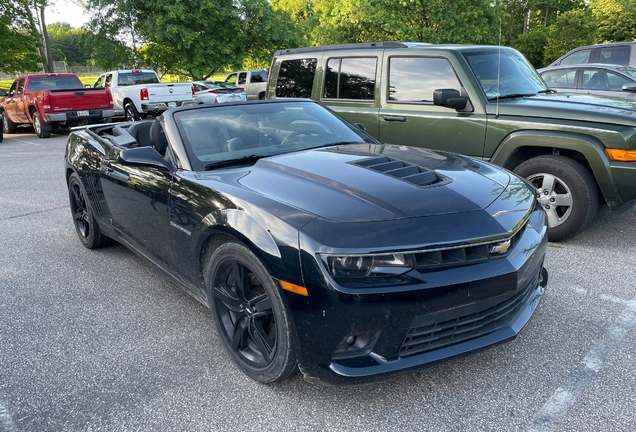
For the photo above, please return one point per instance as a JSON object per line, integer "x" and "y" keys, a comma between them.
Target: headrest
{"x": 158, "y": 137}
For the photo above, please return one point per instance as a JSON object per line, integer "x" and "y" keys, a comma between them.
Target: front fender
{"x": 589, "y": 147}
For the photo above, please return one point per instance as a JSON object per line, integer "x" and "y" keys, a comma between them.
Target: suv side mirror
{"x": 361, "y": 126}
{"x": 449, "y": 98}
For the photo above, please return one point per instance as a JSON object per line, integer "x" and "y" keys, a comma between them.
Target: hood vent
{"x": 401, "y": 170}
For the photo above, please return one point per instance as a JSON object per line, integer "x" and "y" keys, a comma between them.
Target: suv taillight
{"x": 143, "y": 93}
{"x": 46, "y": 99}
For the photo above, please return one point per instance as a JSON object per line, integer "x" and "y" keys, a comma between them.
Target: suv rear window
{"x": 296, "y": 78}
{"x": 615, "y": 55}
{"x": 350, "y": 78}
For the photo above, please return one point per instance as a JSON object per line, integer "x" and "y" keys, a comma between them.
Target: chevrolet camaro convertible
{"x": 315, "y": 247}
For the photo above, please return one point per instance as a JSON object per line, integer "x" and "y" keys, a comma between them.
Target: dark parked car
{"x": 598, "y": 79}
{"x": 314, "y": 245}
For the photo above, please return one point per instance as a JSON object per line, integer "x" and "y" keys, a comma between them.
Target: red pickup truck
{"x": 49, "y": 101}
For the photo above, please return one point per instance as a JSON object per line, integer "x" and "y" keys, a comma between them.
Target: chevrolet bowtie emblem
{"x": 501, "y": 248}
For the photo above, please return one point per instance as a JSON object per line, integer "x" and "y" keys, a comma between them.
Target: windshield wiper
{"x": 243, "y": 159}
{"x": 511, "y": 96}
{"x": 339, "y": 143}
{"x": 547, "y": 91}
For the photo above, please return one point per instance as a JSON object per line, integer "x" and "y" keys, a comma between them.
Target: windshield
{"x": 231, "y": 132}
{"x": 504, "y": 73}
{"x": 627, "y": 70}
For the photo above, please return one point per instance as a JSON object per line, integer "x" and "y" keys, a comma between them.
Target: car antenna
{"x": 498, "y": 71}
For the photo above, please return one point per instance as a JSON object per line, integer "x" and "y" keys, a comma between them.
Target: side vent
{"x": 401, "y": 170}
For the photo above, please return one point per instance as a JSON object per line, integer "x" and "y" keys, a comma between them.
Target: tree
{"x": 433, "y": 21}
{"x": 570, "y": 30}
{"x": 67, "y": 41}
{"x": 18, "y": 39}
{"x": 616, "y": 20}
{"x": 197, "y": 37}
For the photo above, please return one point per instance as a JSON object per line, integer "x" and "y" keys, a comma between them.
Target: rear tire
{"x": 251, "y": 317}
{"x": 42, "y": 130}
{"x": 566, "y": 190}
{"x": 85, "y": 224}
{"x": 131, "y": 112}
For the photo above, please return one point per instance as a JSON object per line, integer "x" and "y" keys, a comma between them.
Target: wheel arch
{"x": 588, "y": 151}
{"x": 237, "y": 225}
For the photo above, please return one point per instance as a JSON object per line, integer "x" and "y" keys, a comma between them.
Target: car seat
{"x": 158, "y": 138}
{"x": 141, "y": 133}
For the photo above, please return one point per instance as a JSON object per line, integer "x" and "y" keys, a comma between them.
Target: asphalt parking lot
{"x": 102, "y": 341}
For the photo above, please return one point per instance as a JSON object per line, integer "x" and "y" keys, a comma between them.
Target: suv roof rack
{"x": 343, "y": 47}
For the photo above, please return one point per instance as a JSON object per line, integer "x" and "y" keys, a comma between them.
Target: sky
{"x": 66, "y": 11}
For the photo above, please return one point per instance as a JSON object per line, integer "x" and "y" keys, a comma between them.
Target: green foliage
{"x": 616, "y": 19}
{"x": 532, "y": 46}
{"x": 195, "y": 38}
{"x": 432, "y": 21}
{"x": 67, "y": 44}
{"x": 18, "y": 41}
{"x": 570, "y": 30}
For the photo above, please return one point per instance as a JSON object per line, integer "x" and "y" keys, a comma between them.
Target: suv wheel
{"x": 566, "y": 190}
{"x": 42, "y": 130}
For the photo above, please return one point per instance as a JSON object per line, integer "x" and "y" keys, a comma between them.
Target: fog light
{"x": 356, "y": 345}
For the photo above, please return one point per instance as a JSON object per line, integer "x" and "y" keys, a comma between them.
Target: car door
{"x": 409, "y": 117}
{"x": 349, "y": 88}
{"x": 137, "y": 197}
{"x": 561, "y": 80}
{"x": 10, "y": 103}
{"x": 605, "y": 83}
{"x": 19, "y": 106}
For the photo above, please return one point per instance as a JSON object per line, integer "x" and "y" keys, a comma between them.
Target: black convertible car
{"x": 315, "y": 246}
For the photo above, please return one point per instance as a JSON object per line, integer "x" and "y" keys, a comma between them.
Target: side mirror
{"x": 449, "y": 98}
{"x": 361, "y": 126}
{"x": 3, "y": 93}
{"x": 146, "y": 156}
{"x": 629, "y": 88}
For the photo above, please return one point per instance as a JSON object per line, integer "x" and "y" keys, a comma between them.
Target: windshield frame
{"x": 202, "y": 131}
{"x": 504, "y": 72}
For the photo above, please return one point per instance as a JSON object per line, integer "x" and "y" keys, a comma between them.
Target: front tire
{"x": 131, "y": 112}
{"x": 85, "y": 224}
{"x": 249, "y": 313}
{"x": 42, "y": 130}
{"x": 8, "y": 127}
{"x": 566, "y": 190}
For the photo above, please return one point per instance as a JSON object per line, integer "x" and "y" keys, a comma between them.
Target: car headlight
{"x": 367, "y": 266}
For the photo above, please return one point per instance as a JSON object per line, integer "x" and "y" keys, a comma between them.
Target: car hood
{"x": 568, "y": 106}
{"x": 373, "y": 182}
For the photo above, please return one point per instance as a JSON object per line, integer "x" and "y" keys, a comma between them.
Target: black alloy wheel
{"x": 249, "y": 314}
{"x": 85, "y": 224}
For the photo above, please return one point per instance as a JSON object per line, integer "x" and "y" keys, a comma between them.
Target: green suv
{"x": 482, "y": 101}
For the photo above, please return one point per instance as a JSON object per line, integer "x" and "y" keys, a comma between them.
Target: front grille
{"x": 466, "y": 254}
{"x": 421, "y": 339}
{"x": 401, "y": 170}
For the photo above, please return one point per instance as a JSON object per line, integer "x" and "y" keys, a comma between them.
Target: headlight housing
{"x": 367, "y": 266}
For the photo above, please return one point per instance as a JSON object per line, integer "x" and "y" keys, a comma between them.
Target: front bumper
{"x": 457, "y": 310}
{"x": 78, "y": 117}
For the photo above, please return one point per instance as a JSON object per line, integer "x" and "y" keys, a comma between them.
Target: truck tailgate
{"x": 80, "y": 99}
{"x": 169, "y": 92}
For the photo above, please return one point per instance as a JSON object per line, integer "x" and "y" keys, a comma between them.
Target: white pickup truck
{"x": 254, "y": 82}
{"x": 138, "y": 93}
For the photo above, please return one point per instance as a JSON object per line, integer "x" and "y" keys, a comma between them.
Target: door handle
{"x": 108, "y": 168}
{"x": 394, "y": 118}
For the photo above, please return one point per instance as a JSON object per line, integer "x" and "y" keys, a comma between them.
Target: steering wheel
{"x": 297, "y": 133}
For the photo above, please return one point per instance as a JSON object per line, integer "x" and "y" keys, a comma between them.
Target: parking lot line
{"x": 556, "y": 408}
{"x": 23, "y": 141}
